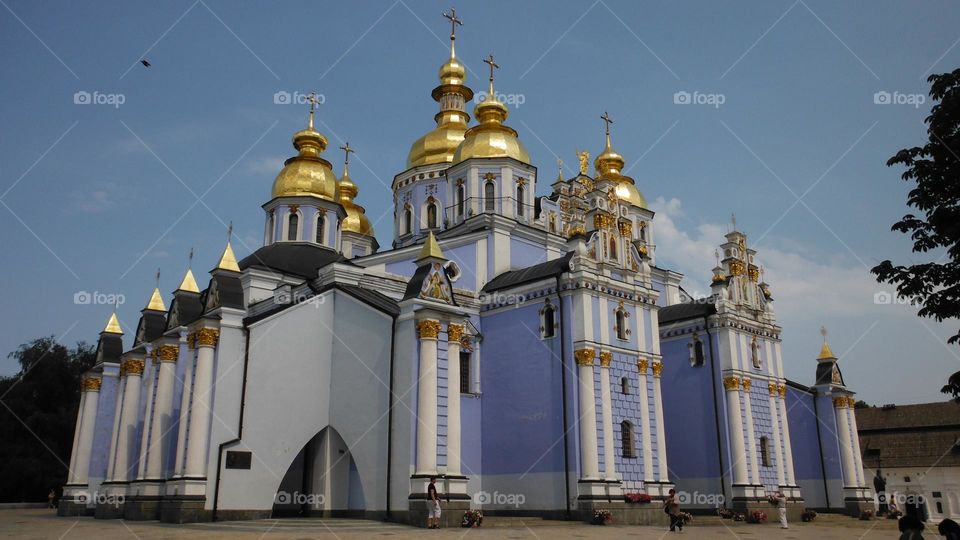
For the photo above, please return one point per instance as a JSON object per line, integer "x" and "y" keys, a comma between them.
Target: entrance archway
{"x": 322, "y": 481}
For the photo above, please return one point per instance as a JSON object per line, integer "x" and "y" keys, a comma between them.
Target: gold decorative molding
{"x": 625, "y": 229}
{"x": 657, "y": 369}
{"x": 428, "y": 329}
{"x": 747, "y": 383}
{"x": 169, "y": 353}
{"x": 192, "y": 340}
{"x": 642, "y": 366}
{"x": 132, "y": 367}
{"x": 466, "y": 343}
{"x": 736, "y": 268}
{"x": 90, "y": 384}
{"x": 585, "y": 357}
{"x": 754, "y": 273}
{"x": 852, "y": 403}
{"x": 772, "y": 387}
{"x": 782, "y": 388}
{"x": 454, "y": 332}
{"x": 840, "y": 402}
{"x": 731, "y": 383}
{"x": 606, "y": 357}
{"x": 602, "y": 221}
{"x": 208, "y": 337}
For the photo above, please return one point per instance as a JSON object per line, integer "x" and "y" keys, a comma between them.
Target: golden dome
{"x": 453, "y": 72}
{"x": 356, "y": 219}
{"x": 608, "y": 165}
{"x": 491, "y": 138}
{"x": 307, "y": 174}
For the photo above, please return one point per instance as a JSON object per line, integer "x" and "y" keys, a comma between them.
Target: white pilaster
{"x": 200, "y": 412}
{"x": 606, "y": 409}
{"x": 162, "y": 411}
{"x": 751, "y": 433}
{"x": 846, "y": 447}
{"x": 777, "y": 440}
{"x": 857, "y": 455}
{"x": 91, "y": 390}
{"x": 738, "y": 455}
{"x": 785, "y": 428}
{"x": 454, "y": 333}
{"x": 133, "y": 371}
{"x": 590, "y": 467}
{"x": 151, "y": 384}
{"x": 187, "y": 356}
{"x": 427, "y": 398}
{"x": 78, "y": 426}
{"x": 115, "y": 431}
{"x": 645, "y": 442}
{"x": 663, "y": 475}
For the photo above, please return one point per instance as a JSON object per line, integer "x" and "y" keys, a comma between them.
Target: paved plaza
{"x": 36, "y": 524}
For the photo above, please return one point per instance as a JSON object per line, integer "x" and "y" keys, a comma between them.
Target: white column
{"x": 775, "y": 423}
{"x": 427, "y": 398}
{"x": 857, "y": 455}
{"x": 162, "y": 411}
{"x": 590, "y": 466}
{"x": 91, "y": 389}
{"x": 133, "y": 370}
{"x": 645, "y": 443}
{"x": 606, "y": 409}
{"x": 662, "y": 468}
{"x": 78, "y": 426}
{"x": 187, "y": 350}
{"x": 115, "y": 431}
{"x": 785, "y": 428}
{"x": 737, "y": 452}
{"x": 454, "y": 334}
{"x": 846, "y": 448}
{"x": 751, "y": 433}
{"x": 151, "y": 384}
{"x": 200, "y": 411}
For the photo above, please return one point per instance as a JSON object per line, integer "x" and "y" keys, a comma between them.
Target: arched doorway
{"x": 322, "y": 481}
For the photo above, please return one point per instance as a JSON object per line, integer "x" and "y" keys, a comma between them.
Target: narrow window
{"x": 520, "y": 201}
{"x": 464, "y": 372}
{"x": 431, "y": 216}
{"x": 489, "y": 204}
{"x": 460, "y": 198}
{"x": 764, "y": 451}
{"x": 270, "y": 233}
{"x": 624, "y": 385}
{"x": 621, "y": 324}
{"x": 755, "y": 352}
{"x": 613, "y": 247}
{"x": 407, "y": 221}
{"x": 293, "y": 223}
{"x": 626, "y": 439}
{"x": 548, "y": 321}
{"x": 320, "y": 225}
{"x": 698, "y": 353}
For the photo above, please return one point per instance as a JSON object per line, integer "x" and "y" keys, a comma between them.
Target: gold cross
{"x": 347, "y": 151}
{"x": 607, "y": 120}
{"x": 489, "y": 61}
{"x": 454, "y": 21}
{"x": 312, "y": 98}
{"x": 190, "y": 259}
{"x": 229, "y": 231}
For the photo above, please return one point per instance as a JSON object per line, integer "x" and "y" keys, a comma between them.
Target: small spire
{"x": 156, "y": 301}
{"x": 113, "y": 325}
{"x": 825, "y": 352}
{"x": 346, "y": 156}
{"x": 733, "y": 221}
{"x": 314, "y": 101}
{"x": 454, "y": 21}
{"x": 431, "y": 249}
{"x": 228, "y": 261}
{"x": 493, "y": 65}
{"x": 607, "y": 121}
{"x": 716, "y": 255}
{"x": 189, "y": 283}
{"x": 559, "y": 169}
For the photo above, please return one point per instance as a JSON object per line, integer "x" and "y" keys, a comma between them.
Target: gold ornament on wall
{"x": 642, "y": 365}
{"x": 746, "y": 384}
{"x": 772, "y": 387}
{"x": 208, "y": 337}
{"x": 454, "y": 332}
{"x": 132, "y": 367}
{"x": 657, "y": 369}
{"x": 585, "y": 357}
{"x": 731, "y": 383}
{"x": 90, "y": 384}
{"x": 606, "y": 357}
{"x": 428, "y": 329}
{"x": 782, "y": 388}
{"x": 169, "y": 353}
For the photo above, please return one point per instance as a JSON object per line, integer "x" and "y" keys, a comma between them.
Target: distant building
{"x": 915, "y": 450}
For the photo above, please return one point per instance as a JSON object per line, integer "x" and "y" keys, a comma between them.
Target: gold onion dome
{"x": 307, "y": 174}
{"x": 356, "y": 220}
{"x": 491, "y": 138}
{"x": 608, "y": 165}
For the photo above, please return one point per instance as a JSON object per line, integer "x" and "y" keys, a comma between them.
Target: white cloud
{"x": 265, "y": 165}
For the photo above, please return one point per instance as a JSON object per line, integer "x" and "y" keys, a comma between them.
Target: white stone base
{"x": 599, "y": 489}
{"x": 179, "y": 487}
{"x": 152, "y": 488}
{"x": 658, "y": 489}
{"x": 455, "y": 487}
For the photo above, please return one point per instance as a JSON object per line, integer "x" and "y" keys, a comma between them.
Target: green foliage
{"x": 935, "y": 169}
{"x": 38, "y": 412}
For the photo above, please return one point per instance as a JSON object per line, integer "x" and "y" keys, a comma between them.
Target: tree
{"x": 38, "y": 412}
{"x": 935, "y": 169}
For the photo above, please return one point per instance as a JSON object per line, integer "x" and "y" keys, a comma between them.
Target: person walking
{"x": 949, "y": 529}
{"x": 782, "y": 509}
{"x": 911, "y": 528}
{"x": 672, "y": 505}
{"x": 433, "y": 505}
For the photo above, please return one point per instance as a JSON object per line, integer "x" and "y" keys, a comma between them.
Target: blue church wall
{"x": 401, "y": 268}
{"x": 628, "y": 407}
{"x": 763, "y": 427}
{"x": 806, "y": 445}
{"x": 689, "y": 417}
{"x": 103, "y": 429}
{"x": 524, "y": 254}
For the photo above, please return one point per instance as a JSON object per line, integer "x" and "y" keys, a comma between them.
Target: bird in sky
{"x": 145, "y": 63}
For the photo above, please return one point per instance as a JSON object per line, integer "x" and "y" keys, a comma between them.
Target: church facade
{"x": 526, "y": 351}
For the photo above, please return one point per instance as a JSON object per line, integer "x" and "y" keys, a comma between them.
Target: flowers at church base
{"x": 471, "y": 518}
{"x": 757, "y": 516}
{"x": 866, "y": 515}
{"x": 685, "y": 518}
{"x": 602, "y": 517}
{"x": 808, "y": 515}
{"x": 637, "y": 498}
{"x": 725, "y": 513}
{"x": 739, "y": 517}
{"x": 773, "y": 499}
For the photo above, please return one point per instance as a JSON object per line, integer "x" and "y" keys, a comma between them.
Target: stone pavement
{"x": 35, "y": 524}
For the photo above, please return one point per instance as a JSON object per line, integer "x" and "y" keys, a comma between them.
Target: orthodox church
{"x": 525, "y": 350}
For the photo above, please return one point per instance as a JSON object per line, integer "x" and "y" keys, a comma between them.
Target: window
{"x": 431, "y": 216}
{"x": 464, "y": 372}
{"x": 460, "y": 199}
{"x": 489, "y": 205}
{"x": 643, "y": 232}
{"x": 622, "y": 324}
{"x": 764, "y": 452}
{"x": 520, "y": 201}
{"x": 626, "y": 439}
{"x": 320, "y": 227}
{"x": 696, "y": 351}
{"x": 939, "y": 507}
{"x": 624, "y": 385}
{"x": 548, "y": 320}
{"x": 407, "y": 221}
{"x": 613, "y": 247}
{"x": 755, "y": 352}
{"x": 293, "y": 223}
{"x": 270, "y": 234}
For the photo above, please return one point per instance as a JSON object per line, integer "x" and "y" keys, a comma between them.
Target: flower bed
{"x": 637, "y": 498}
{"x": 866, "y": 515}
{"x": 808, "y": 515}
{"x": 471, "y": 518}
{"x": 757, "y": 516}
{"x": 602, "y": 517}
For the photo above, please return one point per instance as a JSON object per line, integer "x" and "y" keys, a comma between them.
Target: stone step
{"x": 519, "y": 522}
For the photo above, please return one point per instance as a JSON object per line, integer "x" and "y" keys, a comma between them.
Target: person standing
{"x": 433, "y": 505}
{"x": 782, "y": 509}
{"x": 673, "y": 509}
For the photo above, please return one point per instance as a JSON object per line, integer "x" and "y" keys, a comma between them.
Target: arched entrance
{"x": 322, "y": 481}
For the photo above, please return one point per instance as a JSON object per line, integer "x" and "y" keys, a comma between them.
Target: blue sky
{"x": 96, "y": 197}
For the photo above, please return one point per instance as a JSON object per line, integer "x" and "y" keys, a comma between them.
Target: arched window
{"x": 548, "y": 317}
{"x": 461, "y": 195}
{"x": 293, "y": 224}
{"x": 407, "y": 221}
{"x": 626, "y": 439}
{"x": 613, "y": 247}
{"x": 696, "y": 351}
{"x": 520, "y": 201}
{"x": 624, "y": 385}
{"x": 764, "y": 451}
{"x": 755, "y": 352}
{"x": 320, "y": 226}
{"x": 643, "y": 232}
{"x": 622, "y": 324}
{"x": 489, "y": 204}
{"x": 432, "y": 216}
{"x": 270, "y": 232}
